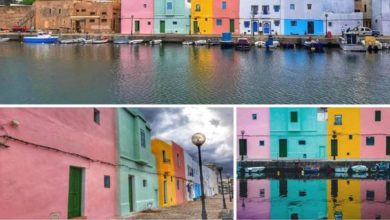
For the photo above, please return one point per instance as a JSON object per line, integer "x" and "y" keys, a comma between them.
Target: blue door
{"x": 255, "y": 27}
{"x": 267, "y": 28}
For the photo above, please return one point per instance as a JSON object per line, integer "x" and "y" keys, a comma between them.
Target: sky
{"x": 179, "y": 124}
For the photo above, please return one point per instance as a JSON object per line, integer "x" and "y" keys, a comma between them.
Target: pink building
{"x": 253, "y": 199}
{"x": 137, "y": 16}
{"x": 57, "y": 163}
{"x": 226, "y": 16}
{"x": 254, "y": 122}
{"x": 374, "y": 125}
{"x": 180, "y": 173}
{"x": 375, "y": 195}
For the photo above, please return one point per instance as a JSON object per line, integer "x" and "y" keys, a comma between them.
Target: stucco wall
{"x": 231, "y": 12}
{"x": 176, "y": 20}
{"x": 140, "y": 13}
{"x": 180, "y": 176}
{"x": 11, "y": 15}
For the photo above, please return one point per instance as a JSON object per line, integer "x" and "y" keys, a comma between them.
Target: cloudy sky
{"x": 179, "y": 124}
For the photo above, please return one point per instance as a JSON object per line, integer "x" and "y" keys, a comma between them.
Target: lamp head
{"x": 198, "y": 139}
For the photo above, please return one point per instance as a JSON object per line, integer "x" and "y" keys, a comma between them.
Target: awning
{"x": 79, "y": 18}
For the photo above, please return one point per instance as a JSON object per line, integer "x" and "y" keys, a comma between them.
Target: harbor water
{"x": 173, "y": 73}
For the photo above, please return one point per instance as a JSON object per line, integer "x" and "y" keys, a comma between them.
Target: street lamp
{"x": 198, "y": 139}
{"x": 326, "y": 24}
{"x": 229, "y": 189}
{"x": 223, "y": 195}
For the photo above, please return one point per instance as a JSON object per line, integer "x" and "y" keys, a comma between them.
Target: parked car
{"x": 364, "y": 31}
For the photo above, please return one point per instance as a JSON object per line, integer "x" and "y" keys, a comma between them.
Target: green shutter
{"x": 294, "y": 116}
{"x": 196, "y": 27}
{"x": 162, "y": 26}
{"x": 232, "y": 25}
{"x": 75, "y": 191}
{"x": 334, "y": 146}
{"x": 137, "y": 26}
{"x": 131, "y": 194}
{"x": 282, "y": 147}
{"x": 388, "y": 145}
{"x": 378, "y": 116}
{"x": 243, "y": 147}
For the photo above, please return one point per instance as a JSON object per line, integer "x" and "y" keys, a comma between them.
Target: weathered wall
{"x": 11, "y": 15}
{"x": 51, "y": 14}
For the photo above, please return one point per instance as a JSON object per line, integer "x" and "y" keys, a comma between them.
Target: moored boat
{"x": 100, "y": 41}
{"x": 381, "y": 167}
{"x": 254, "y": 169}
{"x": 351, "y": 42}
{"x": 187, "y": 43}
{"x": 138, "y": 41}
{"x": 4, "y": 39}
{"x": 213, "y": 42}
{"x": 41, "y": 38}
{"x": 155, "y": 42}
{"x": 242, "y": 44}
{"x": 341, "y": 169}
{"x": 359, "y": 169}
{"x": 120, "y": 41}
{"x": 311, "y": 169}
{"x": 269, "y": 43}
{"x": 200, "y": 42}
{"x": 71, "y": 41}
{"x": 226, "y": 41}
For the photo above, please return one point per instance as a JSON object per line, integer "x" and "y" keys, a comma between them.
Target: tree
{"x": 28, "y": 2}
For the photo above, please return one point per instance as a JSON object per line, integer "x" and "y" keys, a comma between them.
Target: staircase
{"x": 29, "y": 16}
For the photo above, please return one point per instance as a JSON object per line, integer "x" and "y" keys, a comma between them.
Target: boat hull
{"x": 353, "y": 47}
{"x": 4, "y": 39}
{"x": 35, "y": 40}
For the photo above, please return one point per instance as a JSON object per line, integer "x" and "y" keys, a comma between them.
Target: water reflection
{"x": 315, "y": 197}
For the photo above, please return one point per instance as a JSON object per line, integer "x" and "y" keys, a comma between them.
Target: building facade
{"x": 226, "y": 16}
{"x": 172, "y": 16}
{"x": 365, "y": 6}
{"x": 202, "y": 17}
{"x": 375, "y": 133}
{"x": 340, "y": 16}
{"x": 381, "y": 16}
{"x": 137, "y": 177}
{"x": 298, "y": 133}
{"x": 342, "y": 195}
{"x": 254, "y": 123}
{"x": 137, "y": 17}
{"x": 180, "y": 174}
{"x": 166, "y": 172}
{"x": 53, "y": 15}
{"x": 192, "y": 176}
{"x": 345, "y": 124}
{"x": 70, "y": 173}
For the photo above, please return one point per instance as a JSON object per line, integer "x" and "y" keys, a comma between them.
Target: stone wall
{"x": 11, "y": 15}
{"x": 53, "y": 15}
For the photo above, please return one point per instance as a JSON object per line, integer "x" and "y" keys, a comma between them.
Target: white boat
{"x": 155, "y": 42}
{"x": 341, "y": 169}
{"x": 263, "y": 44}
{"x": 341, "y": 175}
{"x": 4, "y": 39}
{"x": 200, "y": 42}
{"x": 99, "y": 41}
{"x": 254, "y": 169}
{"x": 187, "y": 43}
{"x": 87, "y": 41}
{"x": 359, "y": 169}
{"x": 71, "y": 41}
{"x": 139, "y": 41}
{"x": 351, "y": 42}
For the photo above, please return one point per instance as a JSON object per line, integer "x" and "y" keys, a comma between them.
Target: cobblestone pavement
{"x": 190, "y": 210}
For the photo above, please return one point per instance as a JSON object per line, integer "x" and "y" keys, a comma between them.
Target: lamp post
{"x": 198, "y": 139}
{"x": 326, "y": 24}
{"x": 132, "y": 24}
{"x": 223, "y": 195}
{"x": 229, "y": 189}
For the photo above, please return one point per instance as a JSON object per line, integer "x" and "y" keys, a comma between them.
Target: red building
{"x": 180, "y": 174}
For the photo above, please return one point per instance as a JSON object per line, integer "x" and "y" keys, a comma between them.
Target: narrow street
{"x": 191, "y": 210}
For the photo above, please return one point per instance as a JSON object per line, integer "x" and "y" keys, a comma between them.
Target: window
{"x": 293, "y": 116}
{"x": 96, "y": 113}
{"x": 309, "y": 6}
{"x": 276, "y": 8}
{"x": 254, "y": 116}
{"x": 197, "y": 7}
{"x": 107, "y": 182}
{"x": 149, "y": 23}
{"x": 262, "y": 193}
{"x": 302, "y": 193}
{"x": 164, "y": 155}
{"x": 219, "y": 22}
{"x": 277, "y": 22}
{"x": 145, "y": 5}
{"x": 178, "y": 160}
{"x": 350, "y": 137}
{"x": 254, "y": 9}
{"x": 261, "y": 143}
{"x": 143, "y": 139}
{"x": 91, "y": 20}
{"x": 174, "y": 22}
{"x": 104, "y": 20}
{"x": 104, "y": 13}
{"x": 224, "y": 6}
{"x": 370, "y": 195}
{"x": 92, "y": 13}
{"x": 302, "y": 142}
{"x": 144, "y": 183}
{"x": 338, "y": 120}
{"x": 378, "y": 115}
{"x": 370, "y": 141}
{"x": 178, "y": 184}
{"x": 330, "y": 24}
{"x": 293, "y": 23}
{"x": 265, "y": 9}
{"x": 59, "y": 11}
{"x": 292, "y": 6}
{"x": 246, "y": 24}
{"x": 83, "y": 10}
{"x": 365, "y": 8}
{"x": 169, "y": 6}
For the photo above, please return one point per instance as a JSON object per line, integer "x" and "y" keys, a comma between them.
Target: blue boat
{"x": 226, "y": 41}
{"x": 41, "y": 39}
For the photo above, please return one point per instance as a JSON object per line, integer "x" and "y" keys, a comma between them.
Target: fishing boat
{"x": 313, "y": 45}
{"x": 71, "y": 41}
{"x": 200, "y": 42}
{"x": 139, "y": 41}
{"x": 100, "y": 41}
{"x": 120, "y": 41}
{"x": 4, "y": 39}
{"x": 351, "y": 42}
{"x": 226, "y": 41}
{"x": 254, "y": 169}
{"x": 155, "y": 42}
{"x": 187, "y": 43}
{"x": 341, "y": 169}
{"x": 242, "y": 44}
{"x": 311, "y": 169}
{"x": 359, "y": 169}
{"x": 41, "y": 38}
{"x": 269, "y": 43}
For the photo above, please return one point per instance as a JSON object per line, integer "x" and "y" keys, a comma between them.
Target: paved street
{"x": 189, "y": 210}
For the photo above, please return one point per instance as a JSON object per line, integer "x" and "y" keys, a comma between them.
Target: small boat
{"x": 100, "y": 41}
{"x": 254, "y": 169}
{"x": 253, "y": 175}
{"x": 226, "y": 41}
{"x": 4, "y": 39}
{"x": 313, "y": 45}
{"x": 269, "y": 43}
{"x": 213, "y": 42}
{"x": 381, "y": 167}
{"x": 71, "y": 41}
{"x": 41, "y": 38}
{"x": 87, "y": 41}
{"x": 359, "y": 169}
{"x": 155, "y": 42}
{"x": 311, "y": 169}
{"x": 341, "y": 169}
{"x": 120, "y": 41}
{"x": 351, "y": 42}
{"x": 360, "y": 175}
{"x": 242, "y": 44}
{"x": 200, "y": 42}
{"x": 139, "y": 41}
{"x": 341, "y": 175}
{"x": 188, "y": 43}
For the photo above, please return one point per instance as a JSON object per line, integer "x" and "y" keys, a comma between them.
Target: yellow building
{"x": 343, "y": 198}
{"x": 165, "y": 169}
{"x": 345, "y": 122}
{"x": 201, "y": 17}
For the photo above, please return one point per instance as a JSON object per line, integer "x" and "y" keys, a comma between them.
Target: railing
{"x": 26, "y": 18}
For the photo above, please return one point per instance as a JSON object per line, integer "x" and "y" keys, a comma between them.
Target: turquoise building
{"x": 298, "y": 133}
{"x": 172, "y": 16}
{"x": 303, "y": 27}
{"x": 291, "y": 199}
{"x": 138, "y": 186}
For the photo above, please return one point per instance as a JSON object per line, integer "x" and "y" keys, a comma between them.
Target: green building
{"x": 172, "y": 16}
{"x": 138, "y": 186}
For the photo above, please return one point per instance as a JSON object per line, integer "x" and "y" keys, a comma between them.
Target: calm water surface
{"x": 170, "y": 74}
{"x": 332, "y": 198}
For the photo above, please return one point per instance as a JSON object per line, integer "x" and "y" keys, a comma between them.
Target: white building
{"x": 192, "y": 176}
{"x": 260, "y": 16}
{"x": 210, "y": 181}
{"x": 381, "y": 16}
{"x": 340, "y": 15}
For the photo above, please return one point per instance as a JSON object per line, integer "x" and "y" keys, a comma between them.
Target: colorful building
{"x": 303, "y": 17}
{"x": 293, "y": 197}
{"x": 343, "y": 198}
{"x": 180, "y": 174}
{"x": 202, "y": 17}
{"x": 166, "y": 172}
{"x": 375, "y": 195}
{"x": 137, "y": 17}
{"x": 58, "y": 163}
{"x": 254, "y": 123}
{"x": 345, "y": 124}
{"x": 137, "y": 178}
{"x": 172, "y": 16}
{"x": 374, "y": 125}
{"x": 257, "y": 192}
{"x": 298, "y": 133}
{"x": 192, "y": 177}
{"x": 226, "y": 16}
